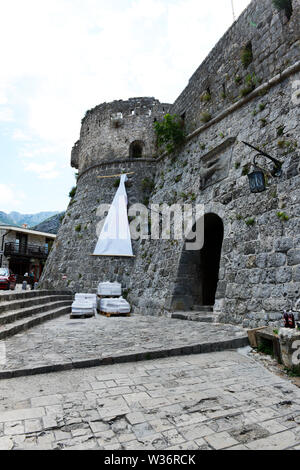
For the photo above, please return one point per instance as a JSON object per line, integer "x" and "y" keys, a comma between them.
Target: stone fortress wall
{"x": 224, "y": 103}
{"x": 110, "y": 135}
{"x": 110, "y": 130}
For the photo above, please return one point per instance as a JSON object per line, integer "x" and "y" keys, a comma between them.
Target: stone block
{"x": 293, "y": 257}
{"x": 290, "y": 347}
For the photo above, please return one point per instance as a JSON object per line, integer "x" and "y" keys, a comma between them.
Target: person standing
{"x": 31, "y": 279}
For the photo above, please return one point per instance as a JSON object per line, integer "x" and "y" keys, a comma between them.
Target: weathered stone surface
{"x": 215, "y": 401}
{"x": 261, "y": 248}
{"x": 83, "y": 341}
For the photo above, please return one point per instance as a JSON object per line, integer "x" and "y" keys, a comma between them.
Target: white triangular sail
{"x": 115, "y": 239}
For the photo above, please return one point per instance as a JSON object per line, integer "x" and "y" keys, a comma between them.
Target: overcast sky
{"x": 62, "y": 57}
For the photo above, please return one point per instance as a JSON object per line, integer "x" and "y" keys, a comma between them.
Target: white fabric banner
{"x": 115, "y": 239}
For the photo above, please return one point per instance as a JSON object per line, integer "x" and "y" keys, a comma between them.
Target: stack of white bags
{"x": 109, "y": 289}
{"x": 109, "y": 300}
{"x": 84, "y": 305}
{"x": 111, "y": 304}
{"x": 119, "y": 305}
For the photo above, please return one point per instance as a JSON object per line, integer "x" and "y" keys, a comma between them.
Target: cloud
{"x": 104, "y": 51}
{"x": 67, "y": 56}
{"x": 11, "y": 197}
{"x": 6, "y": 114}
{"x": 45, "y": 171}
{"x": 20, "y": 135}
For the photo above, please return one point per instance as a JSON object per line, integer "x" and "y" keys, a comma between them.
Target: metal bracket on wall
{"x": 116, "y": 176}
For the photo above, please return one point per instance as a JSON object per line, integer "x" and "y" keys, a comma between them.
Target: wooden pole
{"x": 233, "y": 12}
{"x": 116, "y": 176}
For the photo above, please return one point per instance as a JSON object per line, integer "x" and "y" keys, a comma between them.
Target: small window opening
{"x": 136, "y": 149}
{"x": 285, "y": 5}
{"x": 289, "y": 9}
{"x": 247, "y": 55}
{"x": 224, "y": 94}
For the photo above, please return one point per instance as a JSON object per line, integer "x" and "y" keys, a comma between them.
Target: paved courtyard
{"x": 63, "y": 341}
{"x": 207, "y": 401}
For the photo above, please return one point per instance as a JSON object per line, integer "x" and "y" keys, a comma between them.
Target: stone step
{"x": 31, "y": 302}
{"x": 202, "y": 308}
{"x": 9, "y": 296}
{"x": 202, "y": 317}
{"x": 14, "y": 315}
{"x": 24, "y": 324}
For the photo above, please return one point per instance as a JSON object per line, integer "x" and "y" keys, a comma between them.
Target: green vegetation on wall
{"x": 170, "y": 132}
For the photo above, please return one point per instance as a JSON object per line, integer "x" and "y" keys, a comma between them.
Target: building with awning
{"x": 23, "y": 250}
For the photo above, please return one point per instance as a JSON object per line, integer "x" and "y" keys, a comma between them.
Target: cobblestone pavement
{"x": 64, "y": 340}
{"x": 208, "y": 401}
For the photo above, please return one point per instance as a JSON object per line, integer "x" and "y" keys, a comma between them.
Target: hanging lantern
{"x": 257, "y": 181}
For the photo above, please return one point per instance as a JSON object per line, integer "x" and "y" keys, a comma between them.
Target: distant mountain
{"x": 50, "y": 225}
{"x": 15, "y": 218}
{"x": 5, "y": 219}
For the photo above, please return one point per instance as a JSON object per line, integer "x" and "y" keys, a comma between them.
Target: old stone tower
{"x": 247, "y": 89}
{"x": 115, "y": 138}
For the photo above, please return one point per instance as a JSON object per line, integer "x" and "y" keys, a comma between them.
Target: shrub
{"x": 251, "y": 82}
{"x": 250, "y": 222}
{"x": 206, "y": 97}
{"x": 205, "y": 117}
{"x": 170, "y": 132}
{"x": 283, "y": 216}
{"x": 247, "y": 55}
{"x": 246, "y": 170}
{"x": 263, "y": 122}
{"x": 262, "y": 106}
{"x": 280, "y": 131}
{"x": 78, "y": 228}
{"x": 147, "y": 184}
{"x": 72, "y": 192}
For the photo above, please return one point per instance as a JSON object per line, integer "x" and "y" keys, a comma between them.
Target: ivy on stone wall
{"x": 72, "y": 192}
{"x": 170, "y": 132}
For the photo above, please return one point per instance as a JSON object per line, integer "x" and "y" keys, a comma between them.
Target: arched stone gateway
{"x": 198, "y": 271}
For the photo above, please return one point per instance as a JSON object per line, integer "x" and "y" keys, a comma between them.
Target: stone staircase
{"x": 199, "y": 313}
{"x": 21, "y": 311}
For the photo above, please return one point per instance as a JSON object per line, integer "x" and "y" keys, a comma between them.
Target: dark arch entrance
{"x": 211, "y": 257}
{"x": 136, "y": 149}
{"x": 198, "y": 272}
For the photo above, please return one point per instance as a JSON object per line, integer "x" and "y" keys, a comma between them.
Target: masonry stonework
{"x": 223, "y": 105}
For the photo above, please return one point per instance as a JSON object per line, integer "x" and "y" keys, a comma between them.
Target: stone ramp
{"x": 65, "y": 344}
{"x": 21, "y": 311}
{"x": 197, "y": 316}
